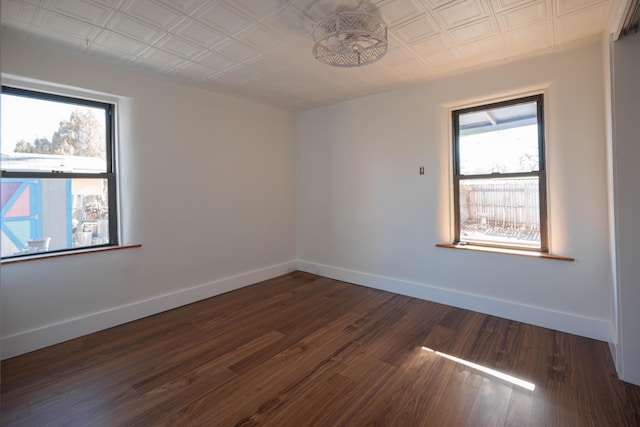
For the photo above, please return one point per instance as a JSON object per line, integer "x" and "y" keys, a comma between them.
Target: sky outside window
{"x": 27, "y": 119}
{"x": 504, "y": 151}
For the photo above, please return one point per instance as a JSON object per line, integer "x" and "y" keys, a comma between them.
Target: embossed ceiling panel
{"x": 202, "y": 35}
{"x": 150, "y": 11}
{"x": 416, "y": 29}
{"x": 262, "y": 48}
{"x": 91, "y": 13}
{"x": 396, "y": 12}
{"x": 460, "y": 13}
{"x": 135, "y": 29}
{"x": 225, "y": 18}
{"x": 522, "y": 16}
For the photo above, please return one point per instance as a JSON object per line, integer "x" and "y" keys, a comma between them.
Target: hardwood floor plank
{"x": 309, "y": 353}
{"x": 303, "y": 350}
{"x": 412, "y": 331}
{"x": 310, "y": 404}
{"x": 372, "y": 380}
{"x": 491, "y": 405}
{"x": 264, "y": 385}
{"x": 314, "y": 320}
{"x": 456, "y": 399}
{"x": 408, "y": 397}
{"x": 520, "y": 409}
{"x": 630, "y": 404}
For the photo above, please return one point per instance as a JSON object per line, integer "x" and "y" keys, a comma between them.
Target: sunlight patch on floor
{"x": 506, "y": 377}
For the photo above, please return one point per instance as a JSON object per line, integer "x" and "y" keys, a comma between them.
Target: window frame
{"x": 109, "y": 175}
{"x": 540, "y": 173}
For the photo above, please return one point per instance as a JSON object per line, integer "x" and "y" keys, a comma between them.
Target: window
{"x": 58, "y": 176}
{"x": 499, "y": 175}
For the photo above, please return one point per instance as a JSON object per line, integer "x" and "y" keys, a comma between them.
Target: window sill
{"x": 67, "y": 253}
{"x": 506, "y": 251}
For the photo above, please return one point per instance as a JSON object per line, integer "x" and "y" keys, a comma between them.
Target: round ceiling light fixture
{"x": 350, "y": 39}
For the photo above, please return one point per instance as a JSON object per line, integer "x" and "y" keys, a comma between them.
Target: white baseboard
{"x": 539, "y": 316}
{"x": 25, "y": 342}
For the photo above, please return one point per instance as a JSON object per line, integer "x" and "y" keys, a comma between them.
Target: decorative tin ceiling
{"x": 262, "y": 48}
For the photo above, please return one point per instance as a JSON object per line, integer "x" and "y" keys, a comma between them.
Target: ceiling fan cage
{"x": 350, "y": 39}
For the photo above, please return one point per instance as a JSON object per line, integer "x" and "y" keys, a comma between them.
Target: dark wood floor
{"x": 304, "y": 350}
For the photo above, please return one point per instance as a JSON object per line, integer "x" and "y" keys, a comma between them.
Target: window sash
{"x": 108, "y": 109}
{"x": 109, "y": 175}
{"x": 540, "y": 174}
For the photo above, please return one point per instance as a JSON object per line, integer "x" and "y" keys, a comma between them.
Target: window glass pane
{"x": 43, "y": 136}
{"x": 499, "y": 140}
{"x": 502, "y": 211}
{"x": 40, "y": 215}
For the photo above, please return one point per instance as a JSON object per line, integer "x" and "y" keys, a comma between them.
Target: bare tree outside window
{"x": 82, "y": 134}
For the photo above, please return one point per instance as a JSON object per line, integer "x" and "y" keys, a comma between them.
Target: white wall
{"x": 207, "y": 186}
{"x": 626, "y": 175}
{"x": 364, "y": 213}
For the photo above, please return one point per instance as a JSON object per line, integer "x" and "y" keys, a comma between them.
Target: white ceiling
{"x": 262, "y": 48}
